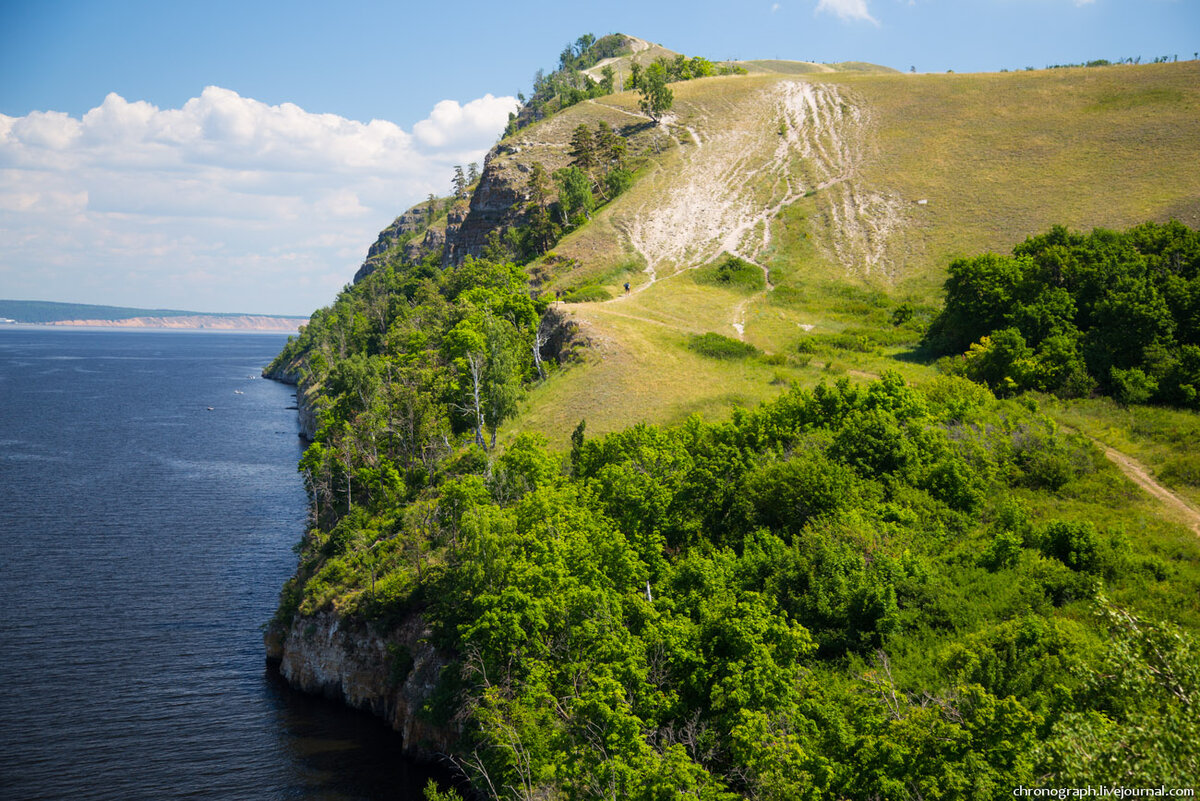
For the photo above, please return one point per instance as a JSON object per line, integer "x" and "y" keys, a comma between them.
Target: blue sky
{"x": 222, "y": 156}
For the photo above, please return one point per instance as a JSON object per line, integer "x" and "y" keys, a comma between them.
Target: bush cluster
{"x": 1113, "y": 312}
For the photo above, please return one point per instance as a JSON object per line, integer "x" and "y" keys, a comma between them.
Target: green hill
{"x": 637, "y": 483}
{"x": 867, "y": 194}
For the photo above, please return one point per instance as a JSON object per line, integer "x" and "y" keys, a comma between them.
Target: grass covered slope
{"x": 820, "y": 179}
{"x": 1003, "y": 156}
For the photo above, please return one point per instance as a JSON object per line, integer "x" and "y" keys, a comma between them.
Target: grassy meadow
{"x": 997, "y": 158}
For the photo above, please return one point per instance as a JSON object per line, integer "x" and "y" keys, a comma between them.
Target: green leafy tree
{"x": 575, "y": 196}
{"x": 1142, "y": 727}
{"x": 656, "y": 98}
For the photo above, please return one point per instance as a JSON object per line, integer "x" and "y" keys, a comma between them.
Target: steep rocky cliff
{"x": 306, "y": 396}
{"x": 418, "y": 231}
{"x": 497, "y": 203}
{"x": 392, "y": 674}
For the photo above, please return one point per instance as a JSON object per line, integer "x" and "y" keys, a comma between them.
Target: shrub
{"x": 1132, "y": 385}
{"x": 1004, "y": 551}
{"x": 716, "y": 346}
{"x": 851, "y": 341}
{"x": 733, "y": 272}
{"x": 589, "y": 293}
{"x": 1182, "y": 470}
{"x": 1076, "y": 545}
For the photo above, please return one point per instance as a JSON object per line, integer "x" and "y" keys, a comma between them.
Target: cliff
{"x": 497, "y": 203}
{"x": 392, "y": 674}
{"x": 415, "y": 233}
{"x": 306, "y": 396}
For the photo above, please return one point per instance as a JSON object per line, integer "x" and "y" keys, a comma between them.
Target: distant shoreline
{"x": 90, "y": 315}
{"x": 124, "y": 325}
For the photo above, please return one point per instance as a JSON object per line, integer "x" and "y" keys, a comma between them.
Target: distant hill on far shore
{"x": 86, "y": 314}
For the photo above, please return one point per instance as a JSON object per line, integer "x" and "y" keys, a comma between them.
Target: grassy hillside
{"x": 867, "y": 191}
{"x": 1003, "y": 156}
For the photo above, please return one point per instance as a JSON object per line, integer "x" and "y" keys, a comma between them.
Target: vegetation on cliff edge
{"x": 846, "y": 592}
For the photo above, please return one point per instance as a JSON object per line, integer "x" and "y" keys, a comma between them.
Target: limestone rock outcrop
{"x": 392, "y": 674}
{"x": 496, "y": 204}
{"x": 407, "y": 226}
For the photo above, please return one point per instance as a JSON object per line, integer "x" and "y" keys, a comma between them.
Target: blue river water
{"x": 144, "y": 537}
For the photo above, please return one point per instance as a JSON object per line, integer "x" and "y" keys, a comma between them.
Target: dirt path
{"x": 620, "y": 110}
{"x": 600, "y": 307}
{"x": 763, "y": 154}
{"x": 1139, "y": 475}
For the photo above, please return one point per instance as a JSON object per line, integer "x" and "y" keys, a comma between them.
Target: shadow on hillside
{"x": 917, "y": 355}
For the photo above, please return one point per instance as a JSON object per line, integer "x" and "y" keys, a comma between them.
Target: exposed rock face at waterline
{"x": 390, "y": 674}
{"x": 306, "y": 397}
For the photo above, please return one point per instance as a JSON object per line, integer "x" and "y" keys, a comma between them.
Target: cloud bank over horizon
{"x": 224, "y": 202}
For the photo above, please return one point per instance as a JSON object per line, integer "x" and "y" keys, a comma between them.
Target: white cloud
{"x": 452, "y": 125}
{"x": 847, "y": 9}
{"x": 226, "y": 203}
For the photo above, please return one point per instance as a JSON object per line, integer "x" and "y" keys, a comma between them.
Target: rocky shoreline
{"x": 306, "y": 408}
{"x": 392, "y": 674}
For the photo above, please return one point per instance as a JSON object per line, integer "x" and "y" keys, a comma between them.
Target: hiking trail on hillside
{"x": 1138, "y": 474}
{"x": 785, "y": 142}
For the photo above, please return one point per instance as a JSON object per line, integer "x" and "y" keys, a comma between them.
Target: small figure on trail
{"x": 626, "y": 287}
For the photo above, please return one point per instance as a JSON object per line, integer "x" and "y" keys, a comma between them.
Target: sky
{"x": 242, "y": 156}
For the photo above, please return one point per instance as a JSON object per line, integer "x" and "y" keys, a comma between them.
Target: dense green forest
{"x": 850, "y": 592}
{"x": 1067, "y": 313}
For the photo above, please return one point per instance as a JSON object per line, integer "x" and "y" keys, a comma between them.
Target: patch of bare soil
{"x": 773, "y": 147}
{"x": 1139, "y": 475}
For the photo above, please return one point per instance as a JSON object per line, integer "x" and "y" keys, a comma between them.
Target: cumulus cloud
{"x": 451, "y": 124}
{"x": 847, "y": 9}
{"x": 226, "y": 203}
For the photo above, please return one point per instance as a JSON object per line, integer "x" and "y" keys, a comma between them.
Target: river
{"x": 149, "y": 502}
